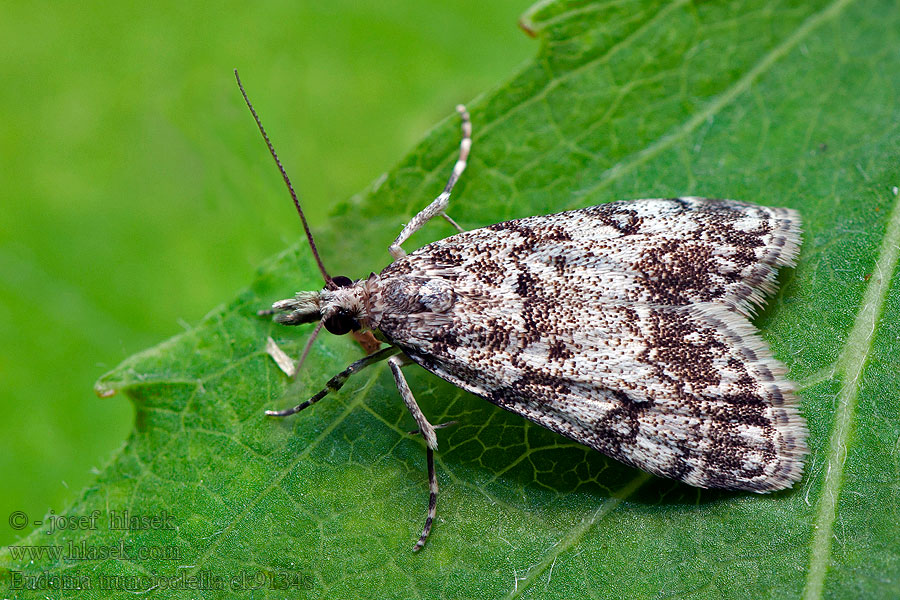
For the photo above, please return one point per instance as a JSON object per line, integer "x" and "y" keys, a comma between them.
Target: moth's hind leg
{"x": 439, "y": 204}
{"x": 427, "y": 431}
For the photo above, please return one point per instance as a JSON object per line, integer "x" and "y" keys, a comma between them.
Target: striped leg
{"x": 432, "y": 501}
{"x": 337, "y": 382}
{"x": 427, "y": 431}
{"x": 439, "y": 204}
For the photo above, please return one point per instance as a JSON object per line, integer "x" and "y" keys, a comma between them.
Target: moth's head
{"x": 341, "y": 308}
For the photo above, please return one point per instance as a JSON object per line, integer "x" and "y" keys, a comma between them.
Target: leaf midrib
{"x": 850, "y": 364}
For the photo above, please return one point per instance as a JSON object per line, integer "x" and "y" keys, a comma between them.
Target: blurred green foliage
{"x": 137, "y": 195}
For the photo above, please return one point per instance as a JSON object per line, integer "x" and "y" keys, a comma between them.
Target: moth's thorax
{"x": 391, "y": 295}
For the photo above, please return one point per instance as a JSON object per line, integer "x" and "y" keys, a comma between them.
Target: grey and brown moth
{"x": 624, "y": 327}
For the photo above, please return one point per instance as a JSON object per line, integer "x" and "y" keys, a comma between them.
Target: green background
{"x": 137, "y": 195}
{"x": 779, "y": 102}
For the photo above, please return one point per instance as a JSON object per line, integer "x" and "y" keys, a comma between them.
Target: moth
{"x": 624, "y": 326}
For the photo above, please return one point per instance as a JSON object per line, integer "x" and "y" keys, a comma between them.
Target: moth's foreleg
{"x": 439, "y": 204}
{"x": 336, "y": 382}
{"x": 427, "y": 431}
{"x": 284, "y": 362}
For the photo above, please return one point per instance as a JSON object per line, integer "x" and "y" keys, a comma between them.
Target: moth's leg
{"x": 284, "y": 362}
{"x": 425, "y": 428}
{"x": 432, "y": 501}
{"x": 452, "y": 222}
{"x": 439, "y": 204}
{"x": 427, "y": 431}
{"x": 336, "y": 382}
{"x": 438, "y": 426}
{"x": 367, "y": 341}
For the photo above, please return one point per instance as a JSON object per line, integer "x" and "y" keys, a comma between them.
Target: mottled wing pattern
{"x": 623, "y": 326}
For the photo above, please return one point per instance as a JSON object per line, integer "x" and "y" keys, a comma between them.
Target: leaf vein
{"x": 724, "y": 99}
{"x": 851, "y": 362}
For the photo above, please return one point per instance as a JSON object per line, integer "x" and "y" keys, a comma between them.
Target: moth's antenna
{"x": 309, "y": 345}
{"x": 329, "y": 283}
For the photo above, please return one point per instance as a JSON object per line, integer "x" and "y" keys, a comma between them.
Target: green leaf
{"x": 785, "y": 104}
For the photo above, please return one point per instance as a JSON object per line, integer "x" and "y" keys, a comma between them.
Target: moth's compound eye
{"x": 342, "y": 281}
{"x": 341, "y": 322}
